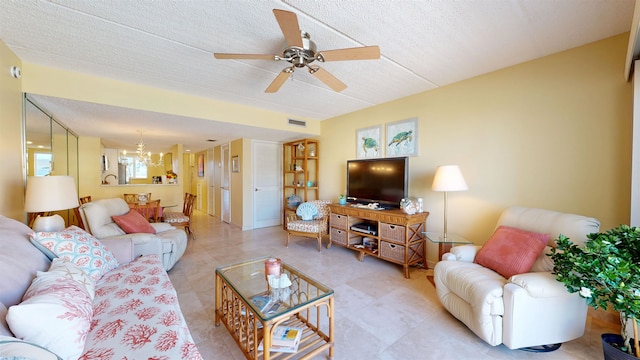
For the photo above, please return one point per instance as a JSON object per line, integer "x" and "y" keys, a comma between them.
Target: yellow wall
{"x": 217, "y": 181}
{"x": 202, "y": 198}
{"x": 236, "y": 184}
{"x": 246, "y": 168}
{"x": 552, "y": 133}
{"x": 12, "y": 179}
{"x": 44, "y": 80}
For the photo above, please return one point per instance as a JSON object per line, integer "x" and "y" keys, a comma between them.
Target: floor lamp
{"x": 448, "y": 178}
{"x": 50, "y": 193}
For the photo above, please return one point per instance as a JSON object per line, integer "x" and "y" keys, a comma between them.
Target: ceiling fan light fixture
{"x": 300, "y": 51}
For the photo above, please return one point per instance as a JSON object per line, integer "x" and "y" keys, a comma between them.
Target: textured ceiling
{"x": 170, "y": 45}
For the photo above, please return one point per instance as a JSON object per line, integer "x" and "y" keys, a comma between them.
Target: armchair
{"x": 167, "y": 242}
{"x": 315, "y": 228}
{"x": 529, "y": 311}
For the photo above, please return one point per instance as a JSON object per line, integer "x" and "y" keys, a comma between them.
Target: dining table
{"x": 152, "y": 210}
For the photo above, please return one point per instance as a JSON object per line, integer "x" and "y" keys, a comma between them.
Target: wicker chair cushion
{"x": 175, "y": 217}
{"x": 310, "y": 226}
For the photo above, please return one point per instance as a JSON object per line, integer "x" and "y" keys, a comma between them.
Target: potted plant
{"x": 342, "y": 200}
{"x": 606, "y": 273}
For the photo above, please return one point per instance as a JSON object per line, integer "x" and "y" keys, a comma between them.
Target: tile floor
{"x": 379, "y": 314}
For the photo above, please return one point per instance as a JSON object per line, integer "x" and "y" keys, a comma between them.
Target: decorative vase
{"x": 342, "y": 201}
{"x": 611, "y": 352}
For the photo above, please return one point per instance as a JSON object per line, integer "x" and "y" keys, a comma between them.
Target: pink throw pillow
{"x": 132, "y": 222}
{"x": 511, "y": 251}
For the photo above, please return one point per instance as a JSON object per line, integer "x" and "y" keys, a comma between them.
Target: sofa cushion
{"x": 4, "y": 327}
{"x": 137, "y": 314}
{"x": 132, "y": 223}
{"x": 19, "y": 260}
{"x": 76, "y": 245}
{"x": 16, "y": 349}
{"x": 511, "y": 251}
{"x": 61, "y": 268}
{"x": 61, "y": 306}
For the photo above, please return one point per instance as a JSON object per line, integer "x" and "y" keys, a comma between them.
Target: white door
{"x": 226, "y": 186}
{"x": 267, "y": 183}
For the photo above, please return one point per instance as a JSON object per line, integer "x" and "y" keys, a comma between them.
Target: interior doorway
{"x": 267, "y": 183}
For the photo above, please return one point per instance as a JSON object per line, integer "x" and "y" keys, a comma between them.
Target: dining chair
{"x": 150, "y": 210}
{"x": 182, "y": 218}
{"x": 76, "y": 210}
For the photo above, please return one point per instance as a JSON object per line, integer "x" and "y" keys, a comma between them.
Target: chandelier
{"x": 145, "y": 157}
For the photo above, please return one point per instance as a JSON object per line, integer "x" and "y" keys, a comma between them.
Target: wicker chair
{"x": 150, "y": 210}
{"x": 315, "y": 228}
{"x": 182, "y": 218}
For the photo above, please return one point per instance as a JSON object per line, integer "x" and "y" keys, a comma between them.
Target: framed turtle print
{"x": 402, "y": 138}
{"x": 368, "y": 142}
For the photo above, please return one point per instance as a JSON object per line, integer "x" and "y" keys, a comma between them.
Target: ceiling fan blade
{"x": 288, "y": 22}
{"x": 244, "y": 56}
{"x": 328, "y": 79}
{"x": 359, "y": 53}
{"x": 279, "y": 80}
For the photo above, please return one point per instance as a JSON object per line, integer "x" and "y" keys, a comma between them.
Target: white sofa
{"x": 529, "y": 310}
{"x": 169, "y": 243}
{"x": 135, "y": 298}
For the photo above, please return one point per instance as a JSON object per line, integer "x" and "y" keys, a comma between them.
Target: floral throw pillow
{"x": 55, "y": 312}
{"x": 79, "y": 247}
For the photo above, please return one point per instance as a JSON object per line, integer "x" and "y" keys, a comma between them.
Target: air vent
{"x": 297, "y": 122}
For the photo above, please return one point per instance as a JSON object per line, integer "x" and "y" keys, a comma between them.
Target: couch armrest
{"x": 464, "y": 253}
{"x": 161, "y": 227}
{"x": 122, "y": 248}
{"x": 137, "y": 238}
{"x": 540, "y": 284}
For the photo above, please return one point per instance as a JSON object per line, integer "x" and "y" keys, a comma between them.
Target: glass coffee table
{"x": 306, "y": 304}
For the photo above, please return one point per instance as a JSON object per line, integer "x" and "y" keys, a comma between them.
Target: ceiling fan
{"x": 301, "y": 52}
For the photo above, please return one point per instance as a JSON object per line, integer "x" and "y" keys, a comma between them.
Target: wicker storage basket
{"x": 392, "y": 232}
{"x": 338, "y": 236}
{"x": 391, "y": 251}
{"x": 339, "y": 221}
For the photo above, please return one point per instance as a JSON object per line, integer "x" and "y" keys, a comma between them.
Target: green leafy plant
{"x": 341, "y": 196}
{"x": 605, "y": 272}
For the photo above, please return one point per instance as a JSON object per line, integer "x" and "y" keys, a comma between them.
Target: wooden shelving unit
{"x": 300, "y": 172}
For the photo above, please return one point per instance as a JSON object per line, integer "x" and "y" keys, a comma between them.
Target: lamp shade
{"x": 50, "y": 193}
{"x": 449, "y": 178}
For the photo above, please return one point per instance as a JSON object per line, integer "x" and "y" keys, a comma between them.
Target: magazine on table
{"x": 265, "y": 304}
{"x": 284, "y": 339}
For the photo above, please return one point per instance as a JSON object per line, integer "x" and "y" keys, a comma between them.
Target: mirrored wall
{"x": 50, "y": 147}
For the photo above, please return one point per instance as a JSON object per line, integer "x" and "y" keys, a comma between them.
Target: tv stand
{"x": 391, "y": 235}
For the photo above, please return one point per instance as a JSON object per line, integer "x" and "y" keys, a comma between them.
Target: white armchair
{"x": 168, "y": 242}
{"x": 529, "y": 310}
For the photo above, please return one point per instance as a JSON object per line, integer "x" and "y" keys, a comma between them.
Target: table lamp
{"x": 448, "y": 178}
{"x": 50, "y": 193}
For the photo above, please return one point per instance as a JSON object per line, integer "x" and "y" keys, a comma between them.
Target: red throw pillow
{"x": 132, "y": 222}
{"x": 511, "y": 251}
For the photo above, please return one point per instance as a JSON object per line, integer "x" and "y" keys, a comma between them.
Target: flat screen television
{"x": 384, "y": 181}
